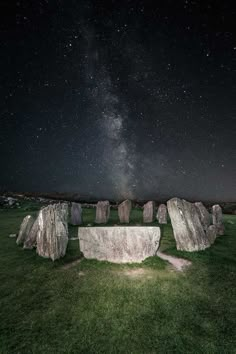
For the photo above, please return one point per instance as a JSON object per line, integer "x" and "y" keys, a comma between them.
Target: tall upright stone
{"x": 124, "y": 210}
{"x": 217, "y": 218}
{"x": 204, "y": 215}
{"x": 162, "y": 214}
{"x": 187, "y": 227}
{"x": 148, "y": 212}
{"x": 76, "y": 214}
{"x": 25, "y": 228}
{"x": 102, "y": 212}
{"x": 30, "y": 241}
{"x": 211, "y": 233}
{"x": 52, "y": 237}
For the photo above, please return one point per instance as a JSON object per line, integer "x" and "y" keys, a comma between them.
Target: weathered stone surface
{"x": 162, "y": 214}
{"x": 30, "y": 241}
{"x": 120, "y": 244}
{"x": 124, "y": 211}
{"x": 102, "y": 212}
{"x": 187, "y": 227}
{"x": 52, "y": 236}
{"x": 217, "y": 218}
{"x": 76, "y": 214}
{"x": 204, "y": 215}
{"x": 211, "y": 233}
{"x": 25, "y": 228}
{"x": 148, "y": 212}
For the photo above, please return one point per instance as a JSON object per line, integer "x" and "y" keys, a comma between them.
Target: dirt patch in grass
{"x": 178, "y": 264}
{"x": 137, "y": 272}
{"x": 146, "y": 273}
{"x": 72, "y": 264}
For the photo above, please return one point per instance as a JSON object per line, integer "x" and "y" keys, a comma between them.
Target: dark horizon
{"x": 119, "y": 99}
{"x": 75, "y": 196}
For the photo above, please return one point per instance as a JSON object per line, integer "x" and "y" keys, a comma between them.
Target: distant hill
{"x": 228, "y": 207}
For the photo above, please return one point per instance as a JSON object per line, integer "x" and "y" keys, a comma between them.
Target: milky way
{"x": 118, "y": 152}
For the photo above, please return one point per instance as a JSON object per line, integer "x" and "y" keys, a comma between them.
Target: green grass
{"x": 98, "y": 307}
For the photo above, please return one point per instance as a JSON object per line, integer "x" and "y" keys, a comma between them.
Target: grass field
{"x": 72, "y": 306}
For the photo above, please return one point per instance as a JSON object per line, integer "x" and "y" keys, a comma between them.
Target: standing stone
{"x": 102, "y": 212}
{"x": 30, "y": 241}
{"x": 119, "y": 244}
{"x": 124, "y": 211}
{"x": 211, "y": 233}
{"x": 76, "y": 214}
{"x": 148, "y": 212}
{"x": 204, "y": 215}
{"x": 25, "y": 229}
{"x": 217, "y": 218}
{"x": 162, "y": 214}
{"x": 52, "y": 237}
{"x": 187, "y": 227}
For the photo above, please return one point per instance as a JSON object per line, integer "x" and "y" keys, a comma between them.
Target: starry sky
{"x": 119, "y": 99}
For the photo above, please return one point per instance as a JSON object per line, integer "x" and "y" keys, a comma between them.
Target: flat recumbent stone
{"x": 119, "y": 244}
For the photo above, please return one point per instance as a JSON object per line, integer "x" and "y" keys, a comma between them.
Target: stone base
{"x": 119, "y": 244}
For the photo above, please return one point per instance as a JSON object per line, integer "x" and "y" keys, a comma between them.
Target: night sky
{"x": 117, "y": 99}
